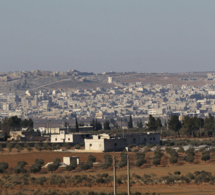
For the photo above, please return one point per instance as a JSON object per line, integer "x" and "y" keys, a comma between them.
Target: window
{"x": 68, "y": 139}
{"x": 91, "y": 145}
{"x": 55, "y": 139}
{"x": 153, "y": 138}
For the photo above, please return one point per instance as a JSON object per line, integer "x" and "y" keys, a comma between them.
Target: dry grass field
{"x": 162, "y": 170}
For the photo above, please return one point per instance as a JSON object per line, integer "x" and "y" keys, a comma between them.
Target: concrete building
{"x": 75, "y": 138}
{"x": 142, "y": 138}
{"x": 69, "y": 160}
{"x": 104, "y": 143}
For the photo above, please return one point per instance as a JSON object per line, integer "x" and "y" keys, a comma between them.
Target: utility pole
{"x": 128, "y": 169}
{"x": 114, "y": 175}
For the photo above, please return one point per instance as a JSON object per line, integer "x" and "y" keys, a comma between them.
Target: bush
{"x": 123, "y": 161}
{"x": 181, "y": 149}
{"x": 38, "y": 147}
{"x": 140, "y": 159}
{"x": 71, "y": 167}
{"x": 52, "y": 167}
{"x": 108, "y": 161}
{"x": 190, "y": 152}
{"x": 57, "y": 161}
{"x": 9, "y": 146}
{"x": 92, "y": 158}
{"x": 189, "y": 158}
{"x": 19, "y": 168}
{"x": 205, "y": 156}
{"x": 173, "y": 159}
{"x": 3, "y": 167}
{"x": 1, "y": 148}
{"x": 177, "y": 173}
{"x": 35, "y": 168}
{"x": 39, "y": 162}
{"x": 87, "y": 165}
{"x": 77, "y": 146}
{"x": 156, "y": 161}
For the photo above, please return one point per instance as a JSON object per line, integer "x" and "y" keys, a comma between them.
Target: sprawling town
{"x": 119, "y": 100}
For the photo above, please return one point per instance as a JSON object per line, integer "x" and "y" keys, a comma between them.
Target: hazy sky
{"x": 107, "y": 35}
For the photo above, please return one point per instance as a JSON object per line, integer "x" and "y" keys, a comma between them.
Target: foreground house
{"x": 106, "y": 142}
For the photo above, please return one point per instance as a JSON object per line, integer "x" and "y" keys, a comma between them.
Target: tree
{"x": 130, "y": 122}
{"x": 158, "y": 123}
{"x": 106, "y": 125}
{"x": 152, "y": 126}
{"x": 174, "y": 124}
{"x": 191, "y": 125}
{"x": 209, "y": 125}
{"x": 76, "y": 125}
{"x": 96, "y": 125}
{"x": 139, "y": 124}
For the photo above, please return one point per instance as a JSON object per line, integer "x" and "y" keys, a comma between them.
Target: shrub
{"x": 77, "y": 146}
{"x": 71, "y": 167}
{"x": 123, "y": 161}
{"x": 92, "y": 158}
{"x": 190, "y": 152}
{"x": 56, "y": 161}
{"x": 173, "y": 159}
{"x": 9, "y": 146}
{"x": 181, "y": 149}
{"x": 39, "y": 162}
{"x": 108, "y": 161}
{"x": 205, "y": 156}
{"x": 177, "y": 173}
{"x": 156, "y": 161}
{"x": 1, "y": 148}
{"x": 52, "y": 167}
{"x": 35, "y": 168}
{"x": 3, "y": 167}
{"x": 189, "y": 158}
{"x": 38, "y": 147}
{"x": 87, "y": 165}
{"x": 140, "y": 159}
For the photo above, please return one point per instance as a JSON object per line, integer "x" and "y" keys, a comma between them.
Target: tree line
{"x": 189, "y": 126}
{"x": 14, "y": 123}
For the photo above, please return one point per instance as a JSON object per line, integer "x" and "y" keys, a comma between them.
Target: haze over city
{"x": 101, "y": 36}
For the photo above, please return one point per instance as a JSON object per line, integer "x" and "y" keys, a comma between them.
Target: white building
{"x": 75, "y": 138}
{"x": 68, "y": 160}
{"x": 104, "y": 143}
